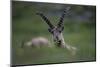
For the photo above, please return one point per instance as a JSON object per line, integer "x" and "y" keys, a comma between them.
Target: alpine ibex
{"x": 56, "y": 31}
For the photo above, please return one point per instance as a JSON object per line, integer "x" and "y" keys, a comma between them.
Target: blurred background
{"x": 79, "y": 31}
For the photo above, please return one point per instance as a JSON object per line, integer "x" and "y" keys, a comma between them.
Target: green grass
{"x": 83, "y": 41}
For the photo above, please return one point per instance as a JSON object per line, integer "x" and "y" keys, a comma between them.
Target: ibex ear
{"x": 50, "y": 30}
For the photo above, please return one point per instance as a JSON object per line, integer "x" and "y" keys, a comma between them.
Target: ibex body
{"x": 56, "y": 32}
{"x": 37, "y": 42}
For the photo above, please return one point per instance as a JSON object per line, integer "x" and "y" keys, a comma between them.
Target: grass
{"x": 83, "y": 41}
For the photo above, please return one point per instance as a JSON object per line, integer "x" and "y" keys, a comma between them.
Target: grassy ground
{"x": 84, "y": 41}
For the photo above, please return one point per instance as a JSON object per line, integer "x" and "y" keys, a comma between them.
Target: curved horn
{"x": 45, "y": 19}
{"x": 60, "y": 23}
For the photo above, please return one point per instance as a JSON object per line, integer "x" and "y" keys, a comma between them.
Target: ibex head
{"x": 57, "y": 29}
